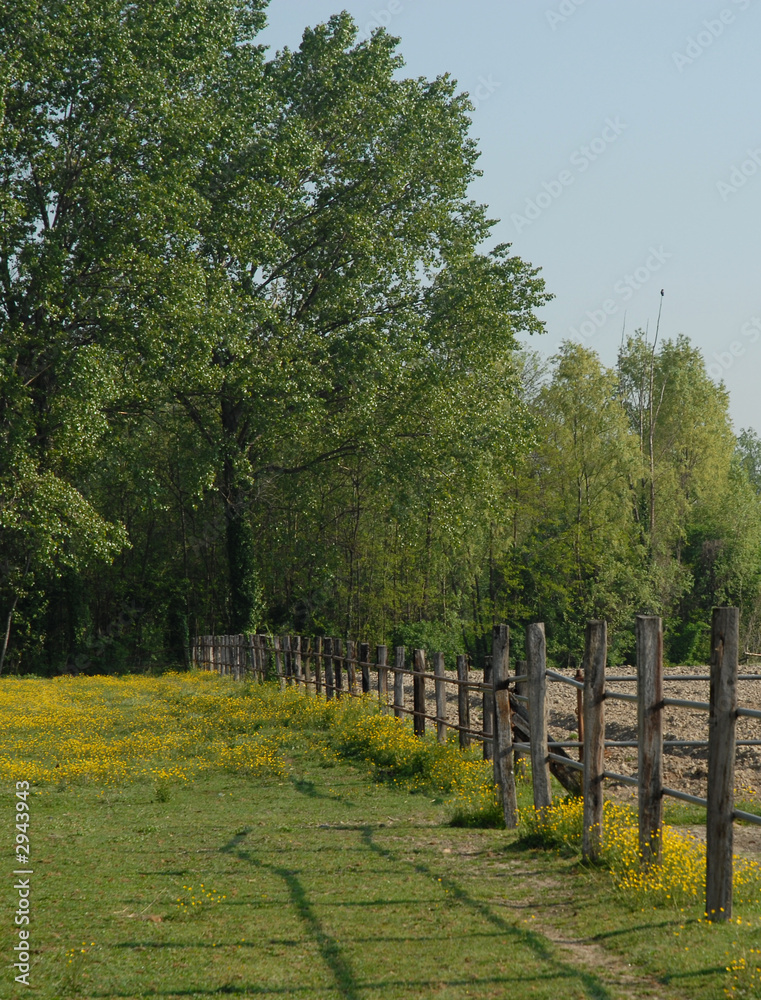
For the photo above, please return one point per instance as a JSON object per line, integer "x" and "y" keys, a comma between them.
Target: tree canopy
{"x": 258, "y": 370}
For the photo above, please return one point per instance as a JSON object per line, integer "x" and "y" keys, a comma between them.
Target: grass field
{"x": 190, "y": 840}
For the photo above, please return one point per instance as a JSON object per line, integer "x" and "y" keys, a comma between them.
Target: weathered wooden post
{"x": 278, "y": 662}
{"x": 649, "y": 633}
{"x": 364, "y": 659}
{"x": 381, "y": 657}
{"x": 400, "y": 654}
{"x": 337, "y": 671}
{"x": 249, "y": 656}
{"x": 441, "y": 697}
{"x": 260, "y": 649}
{"x": 306, "y": 652}
{"x": 487, "y": 703}
{"x": 418, "y": 692}
{"x": 351, "y": 666}
{"x": 536, "y": 667}
{"x": 463, "y": 700}
{"x": 318, "y": 665}
{"x": 595, "y": 655}
{"x": 287, "y": 661}
{"x": 297, "y": 663}
{"x": 269, "y": 657}
{"x": 329, "y": 674}
{"x": 503, "y": 728}
{"x": 725, "y": 648}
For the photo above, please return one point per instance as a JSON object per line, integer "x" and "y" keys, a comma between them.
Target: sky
{"x": 621, "y": 151}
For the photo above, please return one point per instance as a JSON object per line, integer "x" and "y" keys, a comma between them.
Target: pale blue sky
{"x": 650, "y": 112}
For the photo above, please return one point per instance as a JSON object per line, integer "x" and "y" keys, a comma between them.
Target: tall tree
{"x": 339, "y": 223}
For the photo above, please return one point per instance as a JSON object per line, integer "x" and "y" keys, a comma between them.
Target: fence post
{"x": 318, "y": 665}
{"x": 278, "y": 661}
{"x": 329, "y": 675}
{"x": 351, "y": 672}
{"x": 297, "y": 643}
{"x": 338, "y": 673}
{"x": 381, "y": 655}
{"x": 364, "y": 660}
{"x": 487, "y": 703}
{"x": 463, "y": 700}
{"x": 440, "y": 685}
{"x": 255, "y": 656}
{"x": 287, "y": 660}
{"x": 265, "y": 657}
{"x": 503, "y": 724}
{"x": 306, "y": 652}
{"x": 536, "y": 668}
{"x": 725, "y": 638}
{"x": 400, "y": 654}
{"x": 649, "y": 631}
{"x": 418, "y": 692}
{"x": 595, "y": 655}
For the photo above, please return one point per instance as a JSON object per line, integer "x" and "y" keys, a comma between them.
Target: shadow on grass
{"x": 540, "y": 946}
{"x": 307, "y": 787}
{"x": 330, "y": 950}
{"x": 346, "y": 982}
{"x": 671, "y": 976}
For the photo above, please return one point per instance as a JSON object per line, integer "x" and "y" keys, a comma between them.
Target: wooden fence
{"x": 513, "y": 716}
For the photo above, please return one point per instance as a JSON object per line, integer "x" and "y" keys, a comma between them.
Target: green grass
{"x": 325, "y": 884}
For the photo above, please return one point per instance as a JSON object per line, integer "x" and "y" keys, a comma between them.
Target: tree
{"x": 695, "y": 511}
{"x": 575, "y": 552}
{"x": 107, "y": 110}
{"x": 338, "y": 227}
{"x": 749, "y": 455}
{"x": 219, "y": 273}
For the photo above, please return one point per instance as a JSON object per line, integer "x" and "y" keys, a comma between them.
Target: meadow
{"x": 193, "y": 837}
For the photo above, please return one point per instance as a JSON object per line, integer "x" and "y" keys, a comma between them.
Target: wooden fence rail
{"x": 507, "y": 728}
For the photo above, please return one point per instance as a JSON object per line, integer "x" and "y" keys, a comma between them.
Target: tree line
{"x": 257, "y": 372}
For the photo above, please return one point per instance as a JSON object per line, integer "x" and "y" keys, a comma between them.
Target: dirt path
{"x": 547, "y": 906}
